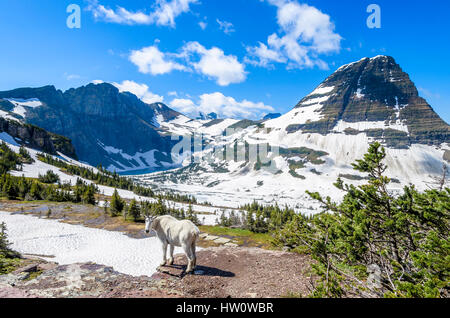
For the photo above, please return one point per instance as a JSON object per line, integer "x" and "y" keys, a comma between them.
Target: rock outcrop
{"x": 37, "y": 138}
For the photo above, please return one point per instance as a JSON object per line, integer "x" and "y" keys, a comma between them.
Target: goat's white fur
{"x": 172, "y": 232}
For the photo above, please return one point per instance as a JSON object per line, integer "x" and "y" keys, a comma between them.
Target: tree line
{"x": 49, "y": 187}
{"x": 258, "y": 218}
{"x": 114, "y": 180}
{"x": 137, "y": 211}
{"x": 21, "y": 188}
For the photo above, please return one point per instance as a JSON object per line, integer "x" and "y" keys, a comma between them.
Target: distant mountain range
{"x": 372, "y": 99}
{"x": 318, "y": 140}
{"x": 106, "y": 126}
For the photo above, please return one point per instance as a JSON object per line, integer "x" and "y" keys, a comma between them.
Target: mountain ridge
{"x": 319, "y": 139}
{"x": 106, "y": 126}
{"x": 372, "y": 96}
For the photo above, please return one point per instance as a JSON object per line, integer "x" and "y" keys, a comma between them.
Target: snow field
{"x": 69, "y": 244}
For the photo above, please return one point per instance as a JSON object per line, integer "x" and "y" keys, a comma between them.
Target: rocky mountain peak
{"x": 379, "y": 95}
{"x": 108, "y": 127}
{"x": 46, "y": 94}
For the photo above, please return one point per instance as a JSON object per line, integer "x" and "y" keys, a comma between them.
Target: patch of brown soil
{"x": 241, "y": 273}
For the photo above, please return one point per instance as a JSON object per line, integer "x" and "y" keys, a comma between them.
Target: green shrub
{"x": 405, "y": 236}
{"x": 49, "y": 177}
{"x": 7, "y": 255}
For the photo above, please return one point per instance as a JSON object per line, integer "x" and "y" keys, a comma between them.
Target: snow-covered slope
{"x": 21, "y": 105}
{"x": 317, "y": 141}
{"x": 207, "y": 214}
{"x": 308, "y": 148}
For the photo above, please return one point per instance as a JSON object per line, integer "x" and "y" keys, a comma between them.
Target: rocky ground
{"x": 242, "y": 273}
{"x": 221, "y": 272}
{"x": 227, "y": 267}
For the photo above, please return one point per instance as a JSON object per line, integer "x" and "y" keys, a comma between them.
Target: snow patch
{"x": 300, "y": 115}
{"x": 144, "y": 159}
{"x": 71, "y": 244}
{"x": 341, "y": 126}
{"x": 20, "y": 105}
{"x": 322, "y": 90}
{"x": 318, "y": 100}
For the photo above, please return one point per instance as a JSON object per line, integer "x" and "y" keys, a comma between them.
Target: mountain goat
{"x": 172, "y": 232}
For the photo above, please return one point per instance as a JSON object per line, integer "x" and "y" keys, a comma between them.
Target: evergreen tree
{"x": 159, "y": 208}
{"x": 88, "y": 196}
{"x": 405, "y": 238}
{"x": 191, "y": 216}
{"x": 35, "y": 191}
{"x": 105, "y": 207}
{"x": 49, "y": 177}
{"x": 117, "y": 204}
{"x": 6, "y": 253}
{"x": 10, "y": 189}
{"x": 133, "y": 210}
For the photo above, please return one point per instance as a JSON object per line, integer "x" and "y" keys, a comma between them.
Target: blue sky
{"x": 241, "y": 58}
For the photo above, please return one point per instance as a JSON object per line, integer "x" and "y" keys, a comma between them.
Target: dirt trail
{"x": 242, "y": 273}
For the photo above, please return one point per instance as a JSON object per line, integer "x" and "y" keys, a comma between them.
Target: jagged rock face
{"x": 106, "y": 127}
{"x": 37, "y": 138}
{"x": 376, "y": 90}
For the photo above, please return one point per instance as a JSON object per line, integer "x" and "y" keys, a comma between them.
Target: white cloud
{"x": 140, "y": 90}
{"x": 203, "y": 25}
{"x": 71, "y": 77}
{"x": 225, "y": 26}
{"x": 265, "y": 55}
{"x": 183, "y": 105}
{"x": 305, "y": 33}
{"x": 223, "y": 106}
{"x": 150, "y": 60}
{"x": 165, "y": 12}
{"x": 225, "y": 69}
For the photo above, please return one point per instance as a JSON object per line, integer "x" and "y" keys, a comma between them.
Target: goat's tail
{"x": 195, "y": 235}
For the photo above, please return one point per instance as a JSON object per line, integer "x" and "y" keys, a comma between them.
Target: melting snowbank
{"x": 71, "y": 244}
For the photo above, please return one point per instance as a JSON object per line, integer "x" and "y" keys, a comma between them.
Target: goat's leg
{"x": 164, "y": 250}
{"x": 171, "y": 255}
{"x": 194, "y": 255}
{"x": 188, "y": 251}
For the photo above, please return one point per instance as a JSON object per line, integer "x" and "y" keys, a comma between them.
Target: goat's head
{"x": 148, "y": 223}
